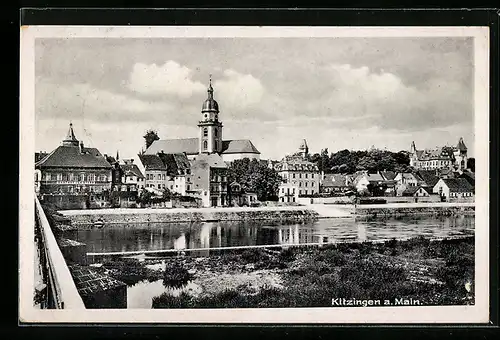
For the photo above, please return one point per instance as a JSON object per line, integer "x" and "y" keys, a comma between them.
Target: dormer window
{"x": 205, "y": 133}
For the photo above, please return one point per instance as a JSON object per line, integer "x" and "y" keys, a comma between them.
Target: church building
{"x": 210, "y": 139}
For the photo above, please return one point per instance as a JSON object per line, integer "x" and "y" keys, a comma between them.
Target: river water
{"x": 134, "y": 237}
{"x": 158, "y": 236}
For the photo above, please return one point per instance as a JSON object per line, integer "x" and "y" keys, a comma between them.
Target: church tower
{"x": 210, "y": 127}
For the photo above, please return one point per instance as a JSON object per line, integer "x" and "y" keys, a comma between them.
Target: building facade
{"x": 209, "y": 140}
{"x": 208, "y": 180}
{"x": 454, "y": 189}
{"x": 288, "y": 193}
{"x": 299, "y": 172}
{"x": 155, "y": 172}
{"x": 73, "y": 169}
{"x": 447, "y": 157}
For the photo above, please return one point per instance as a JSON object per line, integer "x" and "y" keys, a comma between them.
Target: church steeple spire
{"x": 70, "y": 139}
{"x": 210, "y": 89}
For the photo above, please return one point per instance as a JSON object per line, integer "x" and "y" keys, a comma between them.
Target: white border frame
{"x": 479, "y": 313}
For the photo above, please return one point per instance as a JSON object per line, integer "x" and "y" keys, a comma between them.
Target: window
{"x": 82, "y": 177}
{"x": 300, "y": 175}
{"x": 305, "y": 184}
{"x": 293, "y": 175}
{"x": 47, "y": 177}
{"x": 216, "y": 144}
{"x": 300, "y": 184}
{"x": 300, "y": 192}
{"x": 215, "y": 132}
{"x": 205, "y": 132}
{"x": 306, "y": 175}
{"x": 59, "y": 177}
{"x": 312, "y": 192}
{"x": 205, "y": 145}
{"x": 159, "y": 186}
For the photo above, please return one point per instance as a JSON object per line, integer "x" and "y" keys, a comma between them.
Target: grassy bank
{"x": 434, "y": 273}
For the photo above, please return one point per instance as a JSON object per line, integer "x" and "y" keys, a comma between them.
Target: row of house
{"x": 302, "y": 178}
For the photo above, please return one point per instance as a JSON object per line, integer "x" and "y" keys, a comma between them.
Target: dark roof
{"x": 388, "y": 175}
{"x": 152, "y": 162}
{"x": 131, "y": 169}
{"x": 469, "y": 176}
{"x": 71, "y": 157}
{"x": 190, "y": 146}
{"x": 458, "y": 184}
{"x": 176, "y": 164}
{"x": 238, "y": 146}
{"x": 182, "y": 145}
{"x": 335, "y": 180}
{"x": 461, "y": 145}
{"x": 213, "y": 160}
{"x": 413, "y": 189}
{"x": 428, "y": 176}
{"x": 441, "y": 153}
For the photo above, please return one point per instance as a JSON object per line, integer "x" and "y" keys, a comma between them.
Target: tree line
{"x": 348, "y": 162}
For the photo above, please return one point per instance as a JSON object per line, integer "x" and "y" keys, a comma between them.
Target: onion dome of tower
{"x": 210, "y": 105}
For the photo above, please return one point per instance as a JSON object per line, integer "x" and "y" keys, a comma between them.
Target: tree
{"x": 166, "y": 194}
{"x": 146, "y": 197}
{"x": 150, "y": 137}
{"x": 471, "y": 164}
{"x": 255, "y": 177}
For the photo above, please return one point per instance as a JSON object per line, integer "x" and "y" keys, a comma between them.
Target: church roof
{"x": 69, "y": 156}
{"x": 182, "y": 145}
{"x": 190, "y": 146}
{"x": 238, "y": 146}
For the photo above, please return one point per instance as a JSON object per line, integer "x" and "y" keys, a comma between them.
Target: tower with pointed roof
{"x": 460, "y": 153}
{"x": 303, "y": 149}
{"x": 70, "y": 139}
{"x": 210, "y": 140}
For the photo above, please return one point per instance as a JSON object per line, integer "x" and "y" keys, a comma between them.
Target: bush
{"x": 176, "y": 276}
{"x": 130, "y": 271}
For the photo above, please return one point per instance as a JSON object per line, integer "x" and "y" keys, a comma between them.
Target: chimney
{"x": 81, "y": 146}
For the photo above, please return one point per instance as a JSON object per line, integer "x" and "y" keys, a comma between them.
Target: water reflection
{"x": 133, "y": 237}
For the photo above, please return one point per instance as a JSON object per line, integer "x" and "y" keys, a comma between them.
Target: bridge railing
{"x": 61, "y": 292}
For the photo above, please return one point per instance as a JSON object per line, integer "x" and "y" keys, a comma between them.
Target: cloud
{"x": 384, "y": 100}
{"x": 239, "y": 90}
{"x": 84, "y": 100}
{"x": 169, "y": 78}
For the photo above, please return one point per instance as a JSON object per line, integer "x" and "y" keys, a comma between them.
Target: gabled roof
{"x": 66, "y": 156}
{"x": 413, "y": 189}
{"x": 388, "y": 175}
{"x": 238, "y": 146}
{"x": 429, "y": 177}
{"x": 335, "y": 180}
{"x": 176, "y": 164}
{"x": 131, "y": 169}
{"x": 374, "y": 178}
{"x": 169, "y": 146}
{"x": 152, "y": 162}
{"x": 190, "y": 146}
{"x": 458, "y": 184}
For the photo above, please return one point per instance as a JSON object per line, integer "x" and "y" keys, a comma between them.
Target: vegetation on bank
{"x": 434, "y": 273}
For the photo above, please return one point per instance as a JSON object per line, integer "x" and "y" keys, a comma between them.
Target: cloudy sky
{"x": 337, "y": 93}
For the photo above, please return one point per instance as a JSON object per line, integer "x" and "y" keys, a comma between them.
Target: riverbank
{"x": 408, "y": 209}
{"x": 121, "y": 216}
{"x": 280, "y": 214}
{"x": 412, "y": 272}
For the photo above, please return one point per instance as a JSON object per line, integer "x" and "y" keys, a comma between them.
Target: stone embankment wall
{"x": 408, "y": 211}
{"x": 190, "y": 216}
